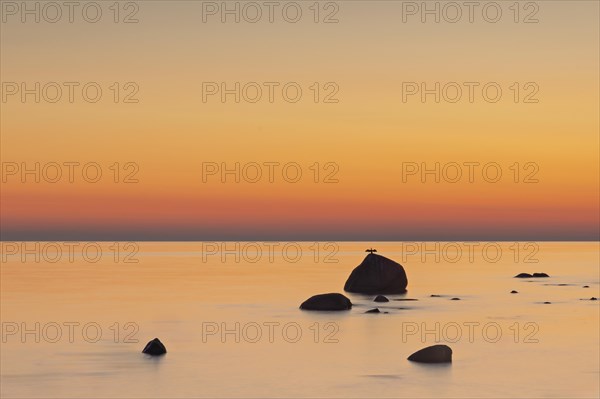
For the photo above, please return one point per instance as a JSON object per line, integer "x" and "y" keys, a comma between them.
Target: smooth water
{"x": 199, "y": 305}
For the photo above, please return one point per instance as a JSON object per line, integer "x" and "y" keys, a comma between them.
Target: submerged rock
{"x": 540, "y": 275}
{"x": 523, "y": 275}
{"x": 455, "y": 299}
{"x": 547, "y": 303}
{"x": 593, "y": 299}
{"x": 535, "y": 275}
{"x": 586, "y": 286}
{"x": 432, "y": 354}
{"x": 377, "y": 275}
{"x": 331, "y": 301}
{"x": 381, "y": 298}
{"x": 154, "y": 348}
{"x": 514, "y": 292}
{"x": 376, "y": 310}
{"x": 435, "y": 296}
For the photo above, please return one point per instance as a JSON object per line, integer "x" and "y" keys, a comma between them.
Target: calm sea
{"x": 75, "y": 317}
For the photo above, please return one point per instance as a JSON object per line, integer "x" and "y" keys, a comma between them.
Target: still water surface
{"x": 232, "y": 326}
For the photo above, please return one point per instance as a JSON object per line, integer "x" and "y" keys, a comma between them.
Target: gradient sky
{"x": 368, "y": 134}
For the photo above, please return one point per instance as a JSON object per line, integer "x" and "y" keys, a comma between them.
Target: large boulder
{"x": 154, "y": 348}
{"x": 432, "y": 354}
{"x": 327, "y": 302}
{"x": 377, "y": 275}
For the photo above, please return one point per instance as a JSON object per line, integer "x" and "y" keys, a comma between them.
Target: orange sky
{"x": 370, "y": 134}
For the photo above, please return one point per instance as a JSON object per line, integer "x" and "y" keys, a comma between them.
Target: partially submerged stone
{"x": 155, "y": 348}
{"x": 432, "y": 354}
{"x": 331, "y": 301}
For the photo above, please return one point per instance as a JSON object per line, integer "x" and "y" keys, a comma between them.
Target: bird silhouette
{"x": 371, "y": 250}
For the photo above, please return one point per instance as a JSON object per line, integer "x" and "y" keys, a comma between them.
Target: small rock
{"x": 154, "y": 348}
{"x": 332, "y": 301}
{"x": 455, "y": 299}
{"x": 435, "y": 296}
{"x": 381, "y": 298}
{"x": 593, "y": 299}
{"x": 540, "y": 275}
{"x": 376, "y": 310}
{"x": 547, "y": 303}
{"x": 514, "y": 292}
{"x": 432, "y": 354}
{"x": 586, "y": 286}
{"x": 523, "y": 275}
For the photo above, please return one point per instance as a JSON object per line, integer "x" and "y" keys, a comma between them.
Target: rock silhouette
{"x": 381, "y": 298}
{"x": 154, "y": 348}
{"x": 376, "y": 310}
{"x": 455, "y": 299}
{"x": 523, "y": 275}
{"x": 514, "y": 292}
{"x": 432, "y": 354}
{"x": 540, "y": 275}
{"x": 332, "y": 301}
{"x": 527, "y": 275}
{"x": 377, "y": 275}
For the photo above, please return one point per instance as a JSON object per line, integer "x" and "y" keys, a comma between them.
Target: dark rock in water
{"x": 381, "y": 298}
{"x": 523, "y": 275}
{"x": 376, "y": 310}
{"x": 377, "y": 275}
{"x": 455, "y": 299}
{"x": 527, "y": 275}
{"x": 435, "y": 296}
{"x": 514, "y": 292}
{"x": 586, "y": 286}
{"x": 331, "y": 301}
{"x": 432, "y": 354}
{"x": 155, "y": 348}
{"x": 593, "y": 299}
{"x": 547, "y": 303}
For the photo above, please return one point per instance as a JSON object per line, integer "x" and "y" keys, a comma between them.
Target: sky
{"x": 336, "y": 133}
